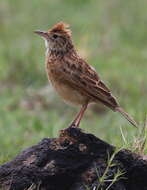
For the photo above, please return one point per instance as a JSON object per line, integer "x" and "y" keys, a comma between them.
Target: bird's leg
{"x": 79, "y": 116}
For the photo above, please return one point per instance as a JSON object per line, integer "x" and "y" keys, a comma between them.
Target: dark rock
{"x": 74, "y": 161}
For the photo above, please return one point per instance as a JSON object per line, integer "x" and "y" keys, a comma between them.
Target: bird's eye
{"x": 55, "y": 36}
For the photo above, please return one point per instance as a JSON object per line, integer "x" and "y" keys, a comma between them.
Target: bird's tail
{"x": 126, "y": 115}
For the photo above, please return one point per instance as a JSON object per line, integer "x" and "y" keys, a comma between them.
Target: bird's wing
{"x": 82, "y": 77}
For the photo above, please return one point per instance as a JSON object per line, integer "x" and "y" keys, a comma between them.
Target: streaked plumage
{"x": 74, "y": 80}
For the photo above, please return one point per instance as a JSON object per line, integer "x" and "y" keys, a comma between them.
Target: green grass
{"x": 111, "y": 35}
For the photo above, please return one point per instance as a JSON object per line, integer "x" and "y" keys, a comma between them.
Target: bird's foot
{"x": 73, "y": 125}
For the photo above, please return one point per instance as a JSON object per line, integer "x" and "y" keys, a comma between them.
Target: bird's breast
{"x": 65, "y": 91}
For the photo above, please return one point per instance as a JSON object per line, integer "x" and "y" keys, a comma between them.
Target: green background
{"x": 110, "y": 34}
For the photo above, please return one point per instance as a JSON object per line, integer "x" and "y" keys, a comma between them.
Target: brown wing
{"x": 78, "y": 74}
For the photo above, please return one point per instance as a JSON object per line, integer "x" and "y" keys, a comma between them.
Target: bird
{"x": 76, "y": 82}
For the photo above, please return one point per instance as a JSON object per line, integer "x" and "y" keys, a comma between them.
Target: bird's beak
{"x": 41, "y": 33}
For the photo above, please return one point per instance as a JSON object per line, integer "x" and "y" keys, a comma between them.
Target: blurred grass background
{"x": 110, "y": 35}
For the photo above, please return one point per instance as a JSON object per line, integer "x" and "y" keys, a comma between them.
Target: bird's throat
{"x": 58, "y": 51}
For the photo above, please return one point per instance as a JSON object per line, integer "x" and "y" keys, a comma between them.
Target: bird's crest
{"x": 61, "y": 27}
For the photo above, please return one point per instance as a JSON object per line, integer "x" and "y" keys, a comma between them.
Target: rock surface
{"x": 74, "y": 161}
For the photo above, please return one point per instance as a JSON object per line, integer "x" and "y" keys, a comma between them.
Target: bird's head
{"x": 58, "y": 38}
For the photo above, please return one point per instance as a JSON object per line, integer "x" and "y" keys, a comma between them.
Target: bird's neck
{"x": 60, "y": 51}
